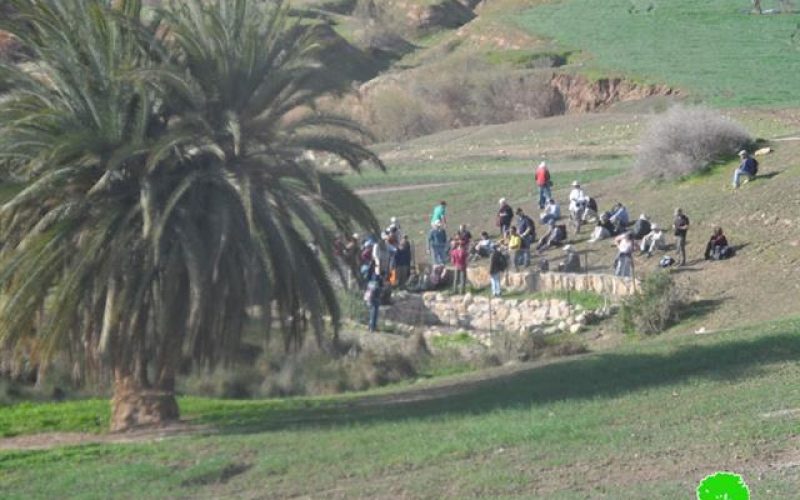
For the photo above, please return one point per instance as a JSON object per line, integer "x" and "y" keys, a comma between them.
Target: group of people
{"x": 389, "y": 259}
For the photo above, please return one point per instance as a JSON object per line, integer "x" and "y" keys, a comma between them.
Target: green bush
{"x": 653, "y": 308}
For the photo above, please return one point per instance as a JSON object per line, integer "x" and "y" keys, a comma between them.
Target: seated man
{"x": 747, "y": 168}
{"x": 571, "y": 262}
{"x": 483, "y": 248}
{"x": 556, "y": 236}
{"x": 641, "y": 227}
{"x": 619, "y": 218}
{"x": 654, "y": 240}
{"x": 604, "y": 229}
{"x": 717, "y": 247}
{"x": 552, "y": 212}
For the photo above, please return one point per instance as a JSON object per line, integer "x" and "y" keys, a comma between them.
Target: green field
{"x": 649, "y": 420}
{"x": 713, "y": 49}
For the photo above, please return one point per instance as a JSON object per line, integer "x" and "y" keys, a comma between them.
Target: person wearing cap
{"x": 577, "y": 204}
{"x": 437, "y": 243}
{"x": 439, "y": 214}
{"x": 681, "y": 227}
{"x": 505, "y": 215}
{"x": 654, "y": 240}
{"x": 571, "y": 262}
{"x": 394, "y": 229}
{"x": 641, "y": 227}
{"x": 544, "y": 184}
{"x": 748, "y": 168}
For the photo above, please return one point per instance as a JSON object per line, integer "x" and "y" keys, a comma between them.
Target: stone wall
{"x": 478, "y": 313}
{"x": 534, "y": 281}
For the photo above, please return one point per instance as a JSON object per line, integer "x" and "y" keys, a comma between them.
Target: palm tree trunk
{"x": 135, "y": 405}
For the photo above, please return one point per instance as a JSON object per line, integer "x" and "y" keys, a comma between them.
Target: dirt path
{"x": 397, "y": 189}
{"x": 49, "y": 440}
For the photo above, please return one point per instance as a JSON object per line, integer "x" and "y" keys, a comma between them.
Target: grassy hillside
{"x": 647, "y": 421}
{"x": 713, "y": 49}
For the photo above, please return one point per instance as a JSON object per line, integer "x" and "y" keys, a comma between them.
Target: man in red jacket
{"x": 544, "y": 183}
{"x": 458, "y": 257}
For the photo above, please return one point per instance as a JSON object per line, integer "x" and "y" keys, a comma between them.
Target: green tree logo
{"x": 723, "y": 486}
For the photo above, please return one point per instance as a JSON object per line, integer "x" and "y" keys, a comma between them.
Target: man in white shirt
{"x": 577, "y": 204}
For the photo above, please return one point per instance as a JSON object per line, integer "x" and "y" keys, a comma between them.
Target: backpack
{"x": 666, "y": 261}
{"x": 755, "y": 166}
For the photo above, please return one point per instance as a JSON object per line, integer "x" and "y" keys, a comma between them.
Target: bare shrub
{"x": 686, "y": 140}
{"x": 393, "y": 113}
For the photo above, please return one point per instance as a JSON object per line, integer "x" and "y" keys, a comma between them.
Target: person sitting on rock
{"x": 654, "y": 240}
{"x": 555, "y": 237}
{"x": 717, "y": 247}
{"x": 641, "y": 227}
{"x": 571, "y": 262}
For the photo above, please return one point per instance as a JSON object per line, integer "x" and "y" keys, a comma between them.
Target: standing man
{"x": 527, "y": 232}
{"x": 402, "y": 261}
{"x": 458, "y": 257}
{"x": 439, "y": 214}
{"x": 372, "y": 297}
{"x": 577, "y": 204}
{"x": 544, "y": 183}
{"x": 437, "y": 243}
{"x": 504, "y": 217}
{"x": 681, "y": 226}
{"x": 497, "y": 266}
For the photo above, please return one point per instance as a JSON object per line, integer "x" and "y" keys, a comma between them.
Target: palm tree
{"x": 168, "y": 187}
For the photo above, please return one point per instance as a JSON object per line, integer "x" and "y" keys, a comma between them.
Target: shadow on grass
{"x": 586, "y": 377}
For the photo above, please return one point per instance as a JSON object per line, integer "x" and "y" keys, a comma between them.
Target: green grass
{"x": 453, "y": 340}
{"x": 649, "y": 420}
{"x": 712, "y": 49}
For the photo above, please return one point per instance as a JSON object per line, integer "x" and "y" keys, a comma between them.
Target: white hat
{"x": 655, "y": 227}
{"x": 393, "y": 220}
{"x": 355, "y": 236}
{"x": 743, "y": 152}
{"x": 575, "y": 184}
{"x": 438, "y": 223}
{"x": 568, "y": 248}
{"x": 542, "y": 164}
{"x": 643, "y": 216}
{"x": 501, "y": 201}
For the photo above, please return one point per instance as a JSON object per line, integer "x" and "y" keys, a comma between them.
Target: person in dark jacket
{"x": 402, "y": 261}
{"x": 571, "y": 262}
{"x": 437, "y": 244}
{"x": 498, "y": 263}
{"x": 641, "y": 227}
{"x": 526, "y": 231}
{"x": 717, "y": 247}
{"x": 747, "y": 168}
{"x": 681, "y": 227}
{"x": 372, "y": 297}
{"x": 505, "y": 215}
{"x": 556, "y": 236}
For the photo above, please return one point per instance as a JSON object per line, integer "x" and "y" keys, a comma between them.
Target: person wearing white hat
{"x": 571, "y": 262}
{"x": 577, "y": 204}
{"x": 505, "y": 216}
{"x": 654, "y": 240}
{"x": 641, "y": 227}
{"x": 544, "y": 184}
{"x": 748, "y": 168}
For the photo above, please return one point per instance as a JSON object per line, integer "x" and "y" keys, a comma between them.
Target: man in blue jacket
{"x": 747, "y": 168}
